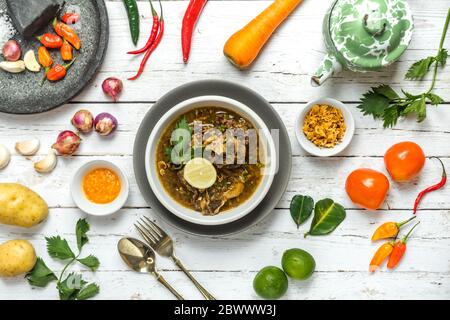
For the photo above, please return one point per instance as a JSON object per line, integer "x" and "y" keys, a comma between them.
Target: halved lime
{"x": 200, "y": 173}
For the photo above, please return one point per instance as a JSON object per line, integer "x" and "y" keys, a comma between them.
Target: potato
{"x": 16, "y": 257}
{"x": 21, "y": 206}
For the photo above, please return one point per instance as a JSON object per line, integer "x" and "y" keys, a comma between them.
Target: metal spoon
{"x": 141, "y": 258}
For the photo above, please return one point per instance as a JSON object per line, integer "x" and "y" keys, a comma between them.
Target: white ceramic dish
{"x": 76, "y": 189}
{"x": 188, "y": 214}
{"x": 310, "y": 147}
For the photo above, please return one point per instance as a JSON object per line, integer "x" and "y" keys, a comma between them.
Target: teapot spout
{"x": 329, "y": 66}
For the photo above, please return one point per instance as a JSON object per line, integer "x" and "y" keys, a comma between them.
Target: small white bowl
{"x": 310, "y": 147}
{"x": 76, "y": 189}
{"x": 188, "y": 214}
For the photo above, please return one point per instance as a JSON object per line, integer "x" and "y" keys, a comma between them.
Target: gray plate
{"x": 239, "y": 93}
{"x": 23, "y": 94}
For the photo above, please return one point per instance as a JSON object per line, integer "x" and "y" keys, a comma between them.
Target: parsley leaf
{"x": 373, "y": 103}
{"x": 420, "y": 108}
{"x": 73, "y": 287}
{"x": 420, "y": 68}
{"x": 434, "y": 99}
{"x": 69, "y": 287}
{"x": 81, "y": 229}
{"x": 377, "y": 104}
{"x": 41, "y": 275}
{"x": 441, "y": 57}
{"x": 383, "y": 102}
{"x": 91, "y": 262}
{"x": 386, "y": 91}
{"x": 88, "y": 291}
{"x": 183, "y": 124}
{"x": 390, "y": 116}
{"x": 180, "y": 150}
{"x": 59, "y": 248}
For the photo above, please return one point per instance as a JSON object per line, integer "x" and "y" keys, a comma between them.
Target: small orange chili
{"x": 44, "y": 57}
{"x": 67, "y": 33}
{"x": 50, "y": 40}
{"x": 70, "y": 17}
{"x": 58, "y": 72}
{"x": 399, "y": 249}
{"x": 389, "y": 229}
{"x": 382, "y": 254}
{"x": 66, "y": 51}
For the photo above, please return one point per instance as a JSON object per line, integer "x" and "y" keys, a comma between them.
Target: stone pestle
{"x": 29, "y": 16}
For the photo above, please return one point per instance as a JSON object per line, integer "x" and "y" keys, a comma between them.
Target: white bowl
{"x": 310, "y": 147}
{"x": 76, "y": 189}
{"x": 188, "y": 214}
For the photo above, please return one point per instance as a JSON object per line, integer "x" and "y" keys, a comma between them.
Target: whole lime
{"x": 270, "y": 283}
{"x": 298, "y": 264}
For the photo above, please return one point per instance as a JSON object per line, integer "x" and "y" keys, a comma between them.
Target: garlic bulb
{"x": 47, "y": 164}
{"x": 28, "y": 147}
{"x": 5, "y": 156}
{"x": 30, "y": 62}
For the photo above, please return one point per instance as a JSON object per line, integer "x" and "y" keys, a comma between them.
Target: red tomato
{"x": 404, "y": 161}
{"x": 367, "y": 188}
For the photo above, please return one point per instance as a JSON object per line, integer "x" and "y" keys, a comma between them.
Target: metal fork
{"x": 163, "y": 245}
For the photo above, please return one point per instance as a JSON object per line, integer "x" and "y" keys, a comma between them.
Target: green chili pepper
{"x": 133, "y": 18}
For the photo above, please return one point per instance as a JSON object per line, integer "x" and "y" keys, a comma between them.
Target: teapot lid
{"x": 370, "y": 34}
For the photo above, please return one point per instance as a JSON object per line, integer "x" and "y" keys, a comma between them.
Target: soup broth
{"x": 207, "y": 129}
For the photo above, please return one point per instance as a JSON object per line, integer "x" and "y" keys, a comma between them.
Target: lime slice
{"x": 200, "y": 173}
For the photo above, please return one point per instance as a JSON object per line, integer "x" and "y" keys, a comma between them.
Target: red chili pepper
{"x": 152, "y": 48}
{"x": 70, "y": 17}
{"x": 66, "y": 51}
{"x": 58, "y": 72}
{"x": 50, "y": 40}
{"x": 67, "y": 33}
{"x": 399, "y": 250}
{"x": 190, "y": 19}
{"x": 435, "y": 187}
{"x": 153, "y": 33}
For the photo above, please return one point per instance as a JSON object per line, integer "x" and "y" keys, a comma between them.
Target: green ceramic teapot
{"x": 364, "y": 35}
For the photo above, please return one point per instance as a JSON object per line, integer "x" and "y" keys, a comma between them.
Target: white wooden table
{"x": 227, "y": 266}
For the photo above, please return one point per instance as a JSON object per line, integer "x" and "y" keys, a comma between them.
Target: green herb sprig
{"x": 182, "y": 144}
{"x": 384, "y": 103}
{"x": 71, "y": 287}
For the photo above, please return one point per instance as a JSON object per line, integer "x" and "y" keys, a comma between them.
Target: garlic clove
{"x": 28, "y": 147}
{"x": 5, "y": 156}
{"x": 47, "y": 164}
{"x": 30, "y": 62}
{"x": 13, "y": 67}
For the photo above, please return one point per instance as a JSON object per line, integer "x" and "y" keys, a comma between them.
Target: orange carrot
{"x": 244, "y": 46}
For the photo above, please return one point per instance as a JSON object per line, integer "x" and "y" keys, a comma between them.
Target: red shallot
{"x": 83, "y": 120}
{"x": 67, "y": 143}
{"x": 11, "y": 50}
{"x": 105, "y": 124}
{"x": 112, "y": 87}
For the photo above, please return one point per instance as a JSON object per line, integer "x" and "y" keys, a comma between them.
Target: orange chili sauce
{"x": 101, "y": 186}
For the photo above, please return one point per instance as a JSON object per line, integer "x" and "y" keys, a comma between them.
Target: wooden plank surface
{"x": 227, "y": 266}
